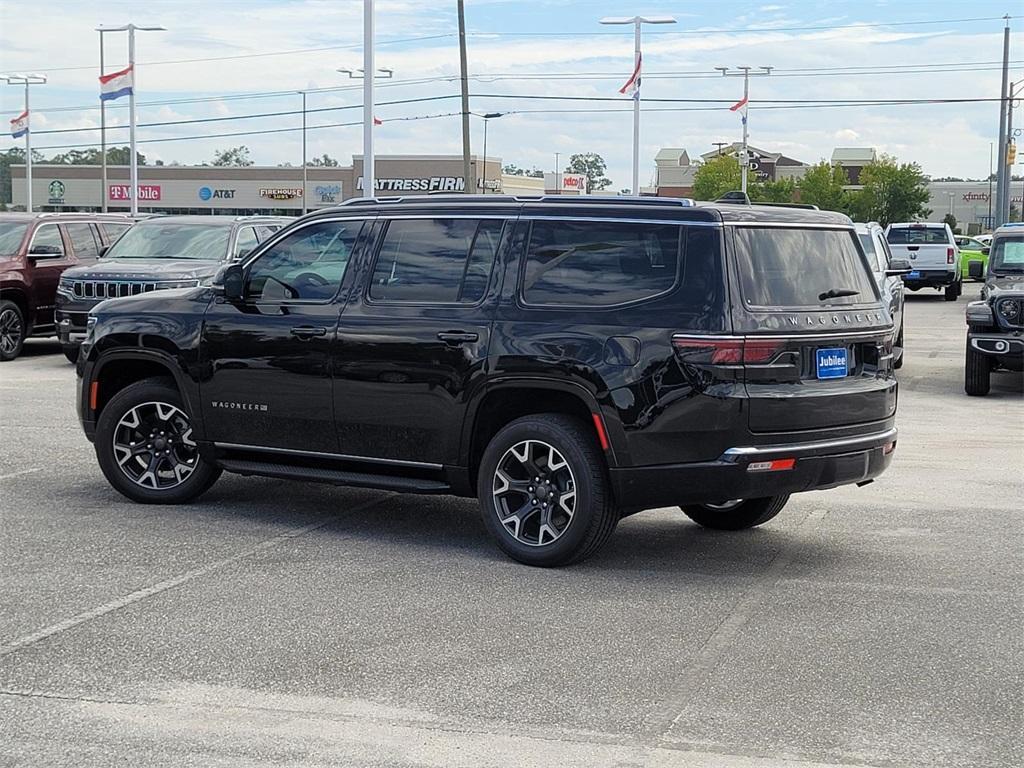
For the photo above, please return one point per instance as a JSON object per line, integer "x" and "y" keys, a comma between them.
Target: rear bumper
{"x": 737, "y": 473}
{"x": 931, "y": 278}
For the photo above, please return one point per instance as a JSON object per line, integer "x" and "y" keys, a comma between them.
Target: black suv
{"x": 568, "y": 361}
{"x": 157, "y": 253}
{"x": 995, "y": 323}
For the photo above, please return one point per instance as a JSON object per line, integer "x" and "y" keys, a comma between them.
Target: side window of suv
{"x": 245, "y": 242}
{"x": 83, "y": 241}
{"x": 435, "y": 260}
{"x": 598, "y": 264}
{"x": 47, "y": 240}
{"x": 307, "y": 265}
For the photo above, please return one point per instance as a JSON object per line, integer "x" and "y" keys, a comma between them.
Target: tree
{"x": 13, "y": 156}
{"x": 780, "y": 191}
{"x": 950, "y": 219}
{"x": 891, "y": 192}
{"x": 122, "y": 156}
{"x": 591, "y": 165}
{"x": 822, "y": 186}
{"x": 115, "y": 156}
{"x": 236, "y": 157}
{"x": 717, "y": 176}
{"x": 323, "y": 162}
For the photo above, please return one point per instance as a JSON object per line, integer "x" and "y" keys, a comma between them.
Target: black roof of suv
{"x": 565, "y": 360}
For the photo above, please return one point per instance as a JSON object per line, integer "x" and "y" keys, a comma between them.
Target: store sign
{"x": 972, "y": 196}
{"x": 281, "y": 193}
{"x": 207, "y": 193}
{"x": 574, "y": 181}
{"x": 149, "y": 192}
{"x": 56, "y": 191}
{"x": 431, "y": 184}
{"x": 327, "y": 194}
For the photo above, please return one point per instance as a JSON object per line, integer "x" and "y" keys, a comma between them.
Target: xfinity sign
{"x": 431, "y": 184}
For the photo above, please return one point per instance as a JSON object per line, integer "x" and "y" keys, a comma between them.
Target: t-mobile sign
{"x": 124, "y": 192}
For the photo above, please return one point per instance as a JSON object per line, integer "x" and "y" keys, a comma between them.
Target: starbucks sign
{"x": 56, "y": 190}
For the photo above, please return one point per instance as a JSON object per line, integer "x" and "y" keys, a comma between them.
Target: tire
{"x": 583, "y": 513}
{"x": 951, "y": 292}
{"x": 156, "y": 407}
{"x": 744, "y": 514}
{"x": 898, "y": 362}
{"x": 71, "y": 353}
{"x": 12, "y": 330}
{"x": 977, "y": 372}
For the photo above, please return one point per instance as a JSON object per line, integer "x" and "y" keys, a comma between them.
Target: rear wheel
{"x": 12, "y": 330}
{"x": 145, "y": 448}
{"x": 951, "y": 292}
{"x": 737, "y": 514}
{"x": 977, "y": 372}
{"x": 899, "y": 350}
{"x": 544, "y": 493}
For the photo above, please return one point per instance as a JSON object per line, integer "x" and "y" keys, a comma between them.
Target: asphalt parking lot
{"x": 286, "y": 624}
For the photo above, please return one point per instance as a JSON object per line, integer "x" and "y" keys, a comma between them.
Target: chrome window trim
{"x": 623, "y": 220}
{"x": 845, "y": 442}
{"x": 342, "y": 456}
{"x": 791, "y": 225}
{"x": 35, "y": 232}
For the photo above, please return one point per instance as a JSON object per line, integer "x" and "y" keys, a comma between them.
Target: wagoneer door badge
{"x": 232, "y": 406}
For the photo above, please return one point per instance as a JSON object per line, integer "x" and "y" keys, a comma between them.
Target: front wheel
{"x": 977, "y": 372}
{"x": 145, "y": 448}
{"x": 12, "y": 330}
{"x": 544, "y": 492}
{"x": 737, "y": 514}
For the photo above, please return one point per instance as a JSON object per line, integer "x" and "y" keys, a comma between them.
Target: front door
{"x": 268, "y": 357}
{"x": 412, "y": 345}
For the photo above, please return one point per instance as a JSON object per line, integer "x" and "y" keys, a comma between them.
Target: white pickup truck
{"x": 933, "y": 255}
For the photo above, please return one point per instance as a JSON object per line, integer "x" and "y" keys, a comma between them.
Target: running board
{"x": 334, "y": 476}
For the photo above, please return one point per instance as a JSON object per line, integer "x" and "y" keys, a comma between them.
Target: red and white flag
{"x": 741, "y": 106}
{"x": 19, "y": 125}
{"x": 117, "y": 84}
{"x": 377, "y": 120}
{"x": 633, "y": 84}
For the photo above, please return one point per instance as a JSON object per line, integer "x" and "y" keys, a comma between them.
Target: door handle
{"x": 454, "y": 338}
{"x": 308, "y": 332}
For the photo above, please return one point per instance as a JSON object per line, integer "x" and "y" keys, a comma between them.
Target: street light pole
{"x": 305, "y": 185}
{"x": 103, "y": 137}
{"x": 369, "y": 171}
{"x": 558, "y": 176}
{"x": 26, "y": 80}
{"x": 1002, "y": 179}
{"x": 744, "y": 105}
{"x": 487, "y": 117}
{"x": 133, "y": 162}
{"x": 634, "y": 81}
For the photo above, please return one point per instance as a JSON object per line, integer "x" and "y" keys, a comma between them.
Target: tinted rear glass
{"x": 918, "y": 236}
{"x": 599, "y": 264}
{"x": 11, "y": 235}
{"x": 172, "y": 241}
{"x": 797, "y": 267}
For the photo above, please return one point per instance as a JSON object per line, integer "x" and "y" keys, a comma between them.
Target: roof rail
{"x": 805, "y": 206}
{"x": 651, "y": 200}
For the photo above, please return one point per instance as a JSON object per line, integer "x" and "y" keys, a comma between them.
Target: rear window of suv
{"x": 597, "y": 264}
{"x": 800, "y": 267}
{"x": 918, "y": 236}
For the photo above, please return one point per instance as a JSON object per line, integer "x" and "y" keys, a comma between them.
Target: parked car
{"x": 35, "y": 248}
{"x": 985, "y": 240}
{"x": 565, "y": 360}
{"x": 971, "y": 250}
{"x": 158, "y": 253}
{"x": 887, "y": 276}
{"x": 995, "y": 323}
{"x": 933, "y": 255}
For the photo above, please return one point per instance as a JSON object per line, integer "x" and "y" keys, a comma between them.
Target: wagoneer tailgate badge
{"x": 844, "y": 319}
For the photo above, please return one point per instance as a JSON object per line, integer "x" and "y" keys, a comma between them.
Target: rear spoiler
{"x": 737, "y": 197}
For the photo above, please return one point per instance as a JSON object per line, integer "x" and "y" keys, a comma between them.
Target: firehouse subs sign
{"x": 281, "y": 193}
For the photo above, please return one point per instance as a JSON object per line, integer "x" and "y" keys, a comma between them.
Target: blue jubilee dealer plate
{"x": 913, "y": 275}
{"x": 832, "y": 363}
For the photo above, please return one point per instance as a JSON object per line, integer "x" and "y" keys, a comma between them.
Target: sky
{"x": 221, "y": 60}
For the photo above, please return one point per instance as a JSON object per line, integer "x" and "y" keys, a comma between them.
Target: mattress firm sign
{"x": 418, "y": 184}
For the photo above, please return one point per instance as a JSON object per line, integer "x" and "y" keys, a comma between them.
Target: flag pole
{"x": 133, "y": 160}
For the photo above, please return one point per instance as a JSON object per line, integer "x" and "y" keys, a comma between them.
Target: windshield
{"x": 801, "y": 268}
{"x": 11, "y": 235}
{"x": 1007, "y": 254}
{"x": 172, "y": 241}
{"x": 918, "y": 236}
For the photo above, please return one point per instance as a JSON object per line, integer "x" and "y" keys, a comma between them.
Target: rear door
{"x": 823, "y": 335}
{"x": 925, "y": 246}
{"x": 52, "y": 256}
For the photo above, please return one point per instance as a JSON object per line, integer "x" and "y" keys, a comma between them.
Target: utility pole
{"x": 1002, "y": 180}
{"x": 720, "y": 144}
{"x": 742, "y": 106}
{"x": 26, "y": 80}
{"x": 305, "y": 183}
{"x": 990, "y": 172}
{"x": 103, "y": 136}
{"x": 633, "y": 83}
{"x": 558, "y": 176}
{"x": 369, "y": 172}
{"x": 464, "y": 70}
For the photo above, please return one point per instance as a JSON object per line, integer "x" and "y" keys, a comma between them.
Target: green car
{"x": 971, "y": 250}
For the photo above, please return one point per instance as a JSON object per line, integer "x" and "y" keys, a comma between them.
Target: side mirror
{"x": 898, "y": 267}
{"x": 976, "y": 270}
{"x": 985, "y": 250}
{"x": 46, "y": 251}
{"x": 230, "y": 282}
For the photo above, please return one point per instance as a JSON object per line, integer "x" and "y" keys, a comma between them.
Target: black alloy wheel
{"x": 12, "y": 330}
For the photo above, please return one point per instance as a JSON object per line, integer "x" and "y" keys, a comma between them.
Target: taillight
{"x": 950, "y": 255}
{"x": 725, "y": 350}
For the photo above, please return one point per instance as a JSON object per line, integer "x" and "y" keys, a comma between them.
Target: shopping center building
{"x": 268, "y": 190}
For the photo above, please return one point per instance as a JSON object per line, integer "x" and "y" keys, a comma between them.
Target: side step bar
{"x": 334, "y": 476}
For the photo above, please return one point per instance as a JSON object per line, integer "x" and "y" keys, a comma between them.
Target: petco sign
{"x": 574, "y": 181}
{"x": 149, "y": 192}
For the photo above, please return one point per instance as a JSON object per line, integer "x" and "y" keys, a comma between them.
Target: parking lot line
{"x": 22, "y": 472}
{"x": 163, "y": 586}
